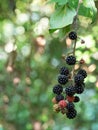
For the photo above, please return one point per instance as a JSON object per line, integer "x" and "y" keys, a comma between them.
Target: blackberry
{"x": 71, "y": 113}
{"x": 73, "y": 35}
{"x": 70, "y": 106}
{"x": 57, "y": 89}
{"x": 83, "y": 73}
{"x": 64, "y": 71}
{"x": 70, "y": 91}
{"x": 79, "y": 79}
{"x": 79, "y": 89}
{"x": 62, "y": 79}
{"x": 71, "y": 60}
{"x": 76, "y": 99}
{"x": 59, "y": 97}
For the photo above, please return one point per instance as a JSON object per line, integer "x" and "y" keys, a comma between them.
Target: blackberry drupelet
{"x": 64, "y": 71}
{"x": 59, "y": 97}
{"x": 79, "y": 79}
{"x": 76, "y": 99}
{"x": 71, "y": 114}
{"x": 79, "y": 89}
{"x": 83, "y": 73}
{"x": 73, "y": 35}
{"x": 70, "y": 91}
{"x": 62, "y": 79}
{"x": 71, "y": 60}
{"x": 57, "y": 89}
{"x": 70, "y": 106}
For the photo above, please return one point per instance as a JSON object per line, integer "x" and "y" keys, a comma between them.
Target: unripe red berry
{"x": 70, "y": 98}
{"x": 62, "y": 104}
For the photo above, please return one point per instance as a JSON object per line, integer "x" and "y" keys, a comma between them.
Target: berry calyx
{"x": 62, "y": 104}
{"x": 63, "y": 111}
{"x": 82, "y": 61}
{"x": 57, "y": 89}
{"x": 71, "y": 60}
{"x": 72, "y": 35}
{"x": 54, "y": 100}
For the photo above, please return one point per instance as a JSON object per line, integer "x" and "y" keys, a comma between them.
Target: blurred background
{"x": 30, "y": 58}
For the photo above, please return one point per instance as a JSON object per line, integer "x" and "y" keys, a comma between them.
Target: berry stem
{"x": 75, "y": 28}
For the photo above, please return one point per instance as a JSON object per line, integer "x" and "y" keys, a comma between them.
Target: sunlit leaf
{"x": 62, "y": 17}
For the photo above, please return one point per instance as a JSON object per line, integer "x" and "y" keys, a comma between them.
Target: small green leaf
{"x": 63, "y": 16}
{"x": 63, "y": 31}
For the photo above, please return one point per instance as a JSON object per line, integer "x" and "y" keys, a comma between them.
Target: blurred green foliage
{"x": 29, "y": 61}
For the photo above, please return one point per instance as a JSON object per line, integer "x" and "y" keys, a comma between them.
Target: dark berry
{"x": 57, "y": 89}
{"x": 62, "y": 79}
{"x": 79, "y": 79}
{"x": 79, "y": 89}
{"x": 71, "y": 114}
{"x": 70, "y": 106}
{"x": 59, "y": 97}
{"x": 83, "y": 73}
{"x": 76, "y": 99}
{"x": 70, "y": 91}
{"x": 71, "y": 60}
{"x": 64, "y": 71}
{"x": 73, "y": 35}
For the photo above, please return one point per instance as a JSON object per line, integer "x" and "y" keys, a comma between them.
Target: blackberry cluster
{"x": 70, "y": 84}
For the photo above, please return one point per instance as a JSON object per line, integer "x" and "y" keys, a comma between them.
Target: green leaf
{"x": 63, "y": 31}
{"x": 60, "y": 2}
{"x": 88, "y": 9}
{"x": 63, "y": 16}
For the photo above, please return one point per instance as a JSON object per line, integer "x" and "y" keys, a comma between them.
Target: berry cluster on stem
{"x": 70, "y": 82}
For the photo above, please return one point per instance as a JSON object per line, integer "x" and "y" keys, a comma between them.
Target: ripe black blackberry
{"x": 73, "y": 35}
{"x": 62, "y": 79}
{"x": 79, "y": 79}
{"x": 71, "y": 113}
{"x": 71, "y": 60}
{"x": 77, "y": 99}
{"x": 70, "y": 91}
{"x": 83, "y": 73}
{"x": 70, "y": 106}
{"x": 79, "y": 89}
{"x": 57, "y": 89}
{"x": 64, "y": 71}
{"x": 59, "y": 97}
